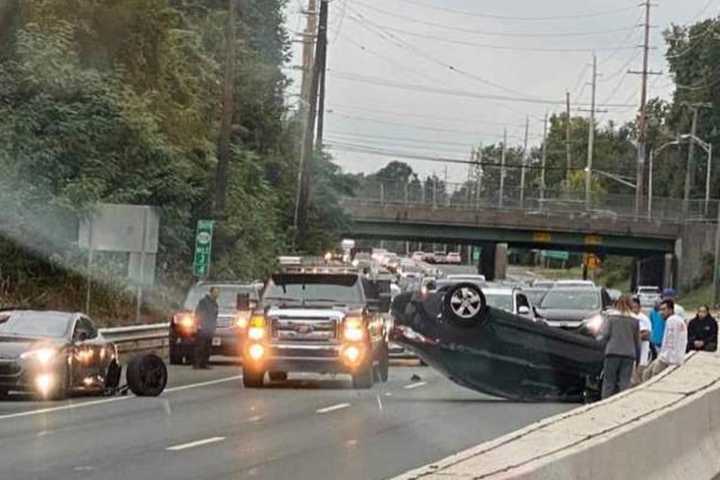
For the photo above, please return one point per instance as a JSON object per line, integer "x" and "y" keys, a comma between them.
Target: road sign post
{"x": 203, "y": 248}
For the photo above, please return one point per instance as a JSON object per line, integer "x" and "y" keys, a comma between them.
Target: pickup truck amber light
{"x": 258, "y": 321}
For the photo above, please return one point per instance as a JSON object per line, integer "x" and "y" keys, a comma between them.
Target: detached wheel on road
{"x": 253, "y": 378}
{"x": 364, "y": 378}
{"x": 464, "y": 305}
{"x": 147, "y": 375}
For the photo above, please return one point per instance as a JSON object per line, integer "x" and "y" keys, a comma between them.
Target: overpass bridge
{"x": 669, "y": 244}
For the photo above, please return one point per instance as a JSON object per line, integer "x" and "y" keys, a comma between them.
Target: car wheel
{"x": 253, "y": 378}
{"x": 278, "y": 376}
{"x": 147, "y": 375}
{"x": 383, "y": 368}
{"x": 363, "y": 378}
{"x": 464, "y": 304}
{"x": 176, "y": 355}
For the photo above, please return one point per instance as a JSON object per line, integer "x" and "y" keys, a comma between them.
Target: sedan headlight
{"x": 40, "y": 355}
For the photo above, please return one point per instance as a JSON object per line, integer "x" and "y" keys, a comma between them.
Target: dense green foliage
{"x": 120, "y": 102}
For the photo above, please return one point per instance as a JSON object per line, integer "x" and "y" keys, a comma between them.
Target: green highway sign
{"x": 203, "y": 248}
{"x": 476, "y": 254}
{"x": 555, "y": 255}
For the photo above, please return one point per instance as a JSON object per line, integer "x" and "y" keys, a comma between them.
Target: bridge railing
{"x": 467, "y": 197}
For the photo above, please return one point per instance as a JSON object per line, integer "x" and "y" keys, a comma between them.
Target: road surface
{"x": 206, "y": 426}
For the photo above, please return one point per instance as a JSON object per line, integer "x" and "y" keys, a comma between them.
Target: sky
{"x": 435, "y": 78}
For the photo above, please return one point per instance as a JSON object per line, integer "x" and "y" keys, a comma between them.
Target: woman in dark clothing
{"x": 621, "y": 334}
{"x": 703, "y": 331}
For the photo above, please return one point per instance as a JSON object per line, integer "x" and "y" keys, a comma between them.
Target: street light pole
{"x": 707, "y": 179}
{"x": 650, "y": 173}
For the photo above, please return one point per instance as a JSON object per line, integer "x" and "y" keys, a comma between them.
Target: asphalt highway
{"x": 207, "y": 426}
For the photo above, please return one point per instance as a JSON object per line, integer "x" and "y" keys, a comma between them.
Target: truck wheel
{"x": 278, "y": 376}
{"x": 147, "y": 375}
{"x": 176, "y": 355}
{"x": 464, "y": 305}
{"x": 363, "y": 379}
{"x": 253, "y": 378}
{"x": 383, "y": 368}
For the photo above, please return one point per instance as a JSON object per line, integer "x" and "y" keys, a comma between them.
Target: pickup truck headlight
{"x": 40, "y": 355}
{"x": 354, "y": 329}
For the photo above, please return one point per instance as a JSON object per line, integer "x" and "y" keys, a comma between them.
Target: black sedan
{"x": 493, "y": 351}
{"x": 53, "y": 354}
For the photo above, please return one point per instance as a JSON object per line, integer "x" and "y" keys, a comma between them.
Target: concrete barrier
{"x": 667, "y": 428}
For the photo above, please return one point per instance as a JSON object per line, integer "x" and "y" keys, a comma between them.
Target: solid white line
{"x": 414, "y": 385}
{"x": 332, "y": 408}
{"x": 74, "y": 406}
{"x": 197, "y": 443}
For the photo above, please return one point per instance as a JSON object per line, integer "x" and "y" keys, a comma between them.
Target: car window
{"x": 35, "y": 324}
{"x": 84, "y": 325}
{"x": 522, "y": 301}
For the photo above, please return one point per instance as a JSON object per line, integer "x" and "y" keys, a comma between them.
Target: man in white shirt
{"x": 674, "y": 342}
{"x": 645, "y": 332}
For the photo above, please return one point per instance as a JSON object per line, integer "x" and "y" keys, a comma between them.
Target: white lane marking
{"x": 74, "y": 406}
{"x": 196, "y": 443}
{"x": 255, "y": 419}
{"x": 332, "y": 408}
{"x": 380, "y": 405}
{"x": 414, "y": 385}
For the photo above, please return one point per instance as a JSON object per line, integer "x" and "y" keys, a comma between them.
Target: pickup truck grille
{"x": 304, "y": 329}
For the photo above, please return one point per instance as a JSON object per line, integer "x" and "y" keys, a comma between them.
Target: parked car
{"x": 486, "y": 349}
{"x": 569, "y": 307}
{"x": 231, "y": 323}
{"x": 453, "y": 258}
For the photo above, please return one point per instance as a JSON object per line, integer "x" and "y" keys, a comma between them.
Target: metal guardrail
{"x": 138, "y": 338}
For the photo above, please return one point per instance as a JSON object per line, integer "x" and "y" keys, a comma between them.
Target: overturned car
{"x": 493, "y": 351}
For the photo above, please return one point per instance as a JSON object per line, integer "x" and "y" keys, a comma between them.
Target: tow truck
{"x": 320, "y": 316}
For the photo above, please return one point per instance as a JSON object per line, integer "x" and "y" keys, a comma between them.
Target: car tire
{"x": 364, "y": 378}
{"x": 147, "y": 375}
{"x": 464, "y": 305}
{"x": 383, "y": 368}
{"x": 253, "y": 378}
{"x": 278, "y": 376}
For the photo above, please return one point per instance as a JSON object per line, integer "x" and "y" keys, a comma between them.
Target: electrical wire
{"x": 492, "y": 34}
{"x": 529, "y": 19}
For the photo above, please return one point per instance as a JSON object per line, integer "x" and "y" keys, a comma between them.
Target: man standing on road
{"x": 645, "y": 332}
{"x": 703, "y": 331}
{"x": 670, "y": 294}
{"x": 657, "y": 330}
{"x": 674, "y": 342}
{"x": 206, "y": 313}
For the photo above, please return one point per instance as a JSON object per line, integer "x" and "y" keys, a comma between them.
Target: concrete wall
{"x": 695, "y": 242}
{"x": 668, "y": 428}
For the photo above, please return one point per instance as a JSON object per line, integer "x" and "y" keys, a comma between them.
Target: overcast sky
{"x": 414, "y": 76}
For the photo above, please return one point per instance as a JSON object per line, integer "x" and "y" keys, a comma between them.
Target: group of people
{"x": 638, "y": 346}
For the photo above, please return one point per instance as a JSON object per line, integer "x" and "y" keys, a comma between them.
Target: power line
{"x": 463, "y": 120}
{"x": 529, "y": 19}
{"x": 399, "y": 139}
{"x": 354, "y": 77}
{"x": 491, "y": 34}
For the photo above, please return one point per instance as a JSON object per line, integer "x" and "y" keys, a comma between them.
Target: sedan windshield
{"x": 35, "y": 324}
{"x": 227, "y": 299}
{"x": 571, "y": 300}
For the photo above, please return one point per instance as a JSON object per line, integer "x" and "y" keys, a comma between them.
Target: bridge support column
{"x": 669, "y": 271}
{"x": 501, "y": 261}
{"x": 487, "y": 261}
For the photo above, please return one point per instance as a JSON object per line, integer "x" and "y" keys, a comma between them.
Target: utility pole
{"x": 502, "y": 168}
{"x": 642, "y": 119}
{"x": 544, "y": 159}
{"x": 228, "y": 107}
{"x": 524, "y": 161}
{"x": 690, "y": 169}
{"x": 308, "y": 146}
{"x": 307, "y": 53}
{"x": 591, "y": 136}
{"x": 323, "y": 70}
{"x": 568, "y": 157}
